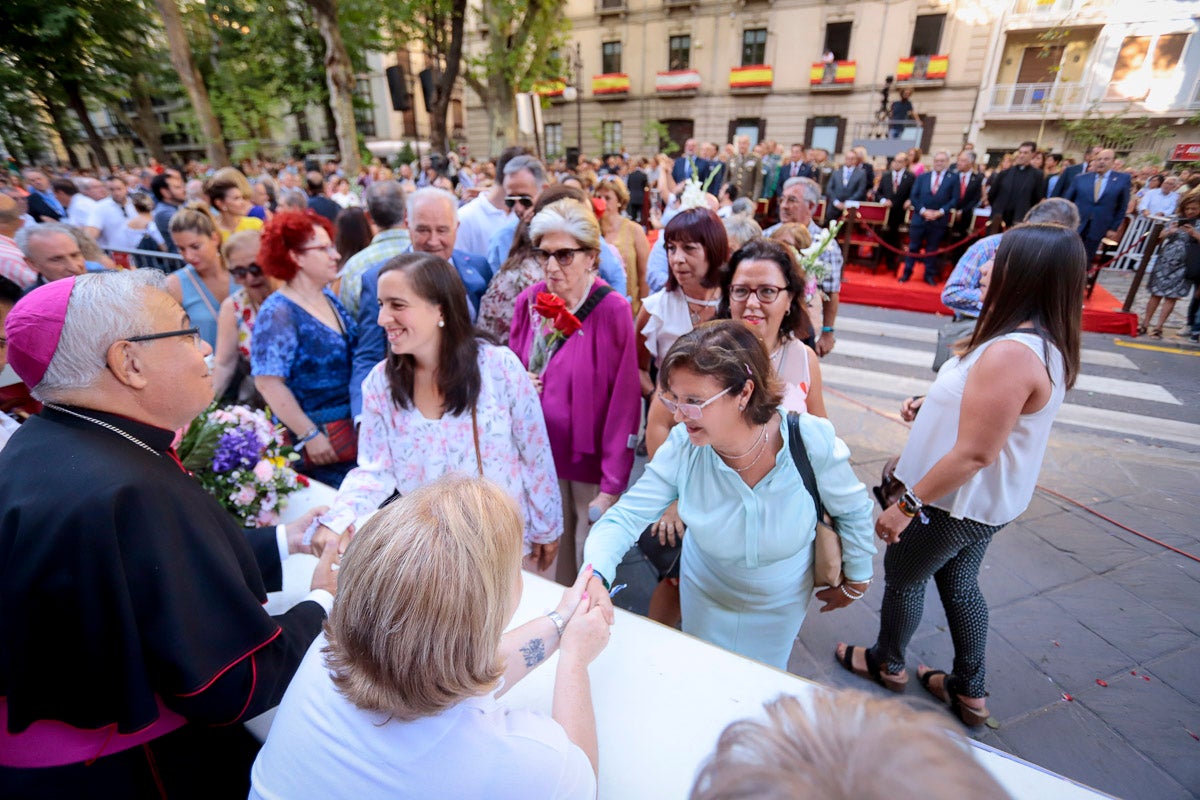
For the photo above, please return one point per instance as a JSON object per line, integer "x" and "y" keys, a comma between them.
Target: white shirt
{"x": 1000, "y": 492}
{"x": 478, "y": 220}
{"x": 322, "y": 746}
{"x": 110, "y": 218}
{"x": 79, "y": 211}
{"x": 1158, "y": 203}
{"x": 8, "y": 426}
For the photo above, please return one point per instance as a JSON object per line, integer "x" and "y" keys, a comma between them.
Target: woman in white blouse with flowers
{"x": 445, "y": 401}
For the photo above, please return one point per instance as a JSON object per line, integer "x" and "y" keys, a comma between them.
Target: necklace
{"x": 708, "y": 302}
{"x": 740, "y": 470}
{"x": 757, "y": 441}
{"x": 777, "y": 356}
{"x": 103, "y": 424}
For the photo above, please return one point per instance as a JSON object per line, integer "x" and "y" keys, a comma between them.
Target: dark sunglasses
{"x": 523, "y": 199}
{"x": 241, "y": 272}
{"x": 564, "y": 257}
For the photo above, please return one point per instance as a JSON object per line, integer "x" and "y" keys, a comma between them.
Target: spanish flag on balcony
{"x": 840, "y": 72}
{"x": 550, "y": 88}
{"x": 760, "y": 75}
{"x": 935, "y": 68}
{"x": 612, "y": 83}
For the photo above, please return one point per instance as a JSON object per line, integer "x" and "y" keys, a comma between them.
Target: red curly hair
{"x": 287, "y": 232}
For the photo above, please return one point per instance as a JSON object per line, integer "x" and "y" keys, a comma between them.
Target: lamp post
{"x": 574, "y": 94}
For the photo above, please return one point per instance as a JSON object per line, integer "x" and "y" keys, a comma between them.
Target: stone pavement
{"x": 1073, "y": 600}
{"x": 1118, "y": 282}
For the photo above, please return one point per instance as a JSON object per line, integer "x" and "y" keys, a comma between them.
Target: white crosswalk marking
{"x": 876, "y": 343}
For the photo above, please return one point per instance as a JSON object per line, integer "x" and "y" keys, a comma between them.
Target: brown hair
{"x": 847, "y": 746}
{"x": 1037, "y": 276}
{"x": 425, "y": 592}
{"x": 796, "y": 321}
{"x": 728, "y": 351}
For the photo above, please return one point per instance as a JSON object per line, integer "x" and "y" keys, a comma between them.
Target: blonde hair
{"x": 850, "y": 747}
{"x": 425, "y": 591}
{"x": 617, "y": 187}
{"x": 566, "y": 216}
{"x": 242, "y": 240}
{"x": 195, "y": 217}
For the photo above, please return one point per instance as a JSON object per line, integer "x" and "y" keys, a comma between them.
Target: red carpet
{"x": 1101, "y": 312}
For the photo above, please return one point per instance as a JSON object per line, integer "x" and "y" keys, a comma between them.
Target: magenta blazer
{"x": 591, "y": 393}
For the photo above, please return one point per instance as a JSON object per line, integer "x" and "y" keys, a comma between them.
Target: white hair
{"x": 566, "y": 216}
{"x": 104, "y": 307}
{"x": 429, "y": 194}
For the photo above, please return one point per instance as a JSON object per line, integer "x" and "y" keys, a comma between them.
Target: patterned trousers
{"x": 950, "y": 551}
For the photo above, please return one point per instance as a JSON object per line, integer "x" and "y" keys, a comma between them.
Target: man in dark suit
{"x": 895, "y": 187}
{"x": 317, "y": 201}
{"x": 688, "y": 165}
{"x": 848, "y": 182}
{"x": 933, "y": 197}
{"x": 1102, "y": 197}
{"x": 43, "y": 205}
{"x": 796, "y": 167}
{"x": 1015, "y": 190}
{"x": 970, "y": 193}
{"x": 1074, "y": 171}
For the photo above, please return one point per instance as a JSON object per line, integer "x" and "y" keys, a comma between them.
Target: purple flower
{"x": 237, "y": 447}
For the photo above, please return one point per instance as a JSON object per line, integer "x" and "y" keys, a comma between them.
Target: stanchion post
{"x": 849, "y": 217}
{"x": 1143, "y": 262}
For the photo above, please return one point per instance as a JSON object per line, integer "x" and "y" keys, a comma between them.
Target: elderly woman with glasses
{"x": 574, "y": 334}
{"x": 303, "y": 338}
{"x": 235, "y": 321}
{"x": 747, "y": 567}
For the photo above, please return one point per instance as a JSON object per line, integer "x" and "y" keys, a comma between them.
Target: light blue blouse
{"x": 737, "y": 526}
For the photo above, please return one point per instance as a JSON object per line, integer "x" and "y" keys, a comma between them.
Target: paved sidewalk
{"x": 1073, "y": 600}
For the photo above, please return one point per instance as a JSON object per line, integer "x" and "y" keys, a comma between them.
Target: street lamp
{"x": 574, "y": 94}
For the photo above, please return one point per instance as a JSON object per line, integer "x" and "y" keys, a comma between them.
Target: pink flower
{"x": 245, "y": 496}
{"x": 266, "y": 518}
{"x": 264, "y": 471}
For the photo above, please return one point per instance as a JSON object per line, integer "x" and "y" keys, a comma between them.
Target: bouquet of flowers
{"x": 235, "y": 453}
{"x": 694, "y": 191}
{"x": 556, "y": 323}
{"x": 810, "y": 258}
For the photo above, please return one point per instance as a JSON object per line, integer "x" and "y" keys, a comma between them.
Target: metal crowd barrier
{"x": 143, "y": 259}
{"x": 1133, "y": 243}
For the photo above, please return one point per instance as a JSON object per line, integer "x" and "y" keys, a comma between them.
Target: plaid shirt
{"x": 961, "y": 292}
{"x": 13, "y": 265}
{"x": 384, "y": 247}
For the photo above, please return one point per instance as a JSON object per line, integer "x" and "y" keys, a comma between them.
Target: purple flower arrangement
{"x": 237, "y": 455}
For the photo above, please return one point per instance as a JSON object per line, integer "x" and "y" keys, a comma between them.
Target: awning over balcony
{"x": 758, "y": 76}
{"x": 922, "y": 68}
{"x": 834, "y": 73}
{"x": 611, "y": 83}
{"x": 550, "y": 88}
{"x": 679, "y": 80}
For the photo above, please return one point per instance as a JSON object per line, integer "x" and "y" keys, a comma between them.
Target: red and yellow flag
{"x": 758, "y": 75}
{"x": 611, "y": 83}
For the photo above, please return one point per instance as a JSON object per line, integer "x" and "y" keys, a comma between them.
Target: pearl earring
{"x": 441, "y": 323}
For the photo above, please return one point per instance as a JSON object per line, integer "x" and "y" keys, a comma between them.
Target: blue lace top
{"x": 312, "y": 358}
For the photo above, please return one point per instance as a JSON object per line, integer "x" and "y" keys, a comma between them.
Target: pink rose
{"x": 264, "y": 471}
{"x": 245, "y": 496}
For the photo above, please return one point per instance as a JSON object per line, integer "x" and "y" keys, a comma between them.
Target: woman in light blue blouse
{"x": 747, "y": 567}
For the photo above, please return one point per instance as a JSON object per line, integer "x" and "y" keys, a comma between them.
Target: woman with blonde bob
{"x": 398, "y": 697}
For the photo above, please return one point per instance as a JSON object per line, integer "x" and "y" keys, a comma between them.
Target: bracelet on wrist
{"x": 558, "y": 621}
{"x": 826, "y": 329}
{"x": 853, "y": 595}
{"x": 910, "y": 504}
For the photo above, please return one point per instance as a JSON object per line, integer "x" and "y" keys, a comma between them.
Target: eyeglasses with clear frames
{"x": 766, "y": 294}
{"x": 692, "y": 411}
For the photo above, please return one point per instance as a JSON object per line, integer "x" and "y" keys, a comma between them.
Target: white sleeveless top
{"x": 1000, "y": 492}
{"x": 790, "y": 361}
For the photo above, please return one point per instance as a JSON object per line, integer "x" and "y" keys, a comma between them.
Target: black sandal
{"x": 970, "y": 717}
{"x": 874, "y": 672}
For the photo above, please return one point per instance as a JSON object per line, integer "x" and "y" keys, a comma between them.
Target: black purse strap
{"x": 803, "y": 464}
{"x": 593, "y": 300}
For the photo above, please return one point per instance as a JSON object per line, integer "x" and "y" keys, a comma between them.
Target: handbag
{"x": 827, "y": 558}
{"x": 342, "y": 438}
{"x": 890, "y": 488}
{"x": 948, "y": 336}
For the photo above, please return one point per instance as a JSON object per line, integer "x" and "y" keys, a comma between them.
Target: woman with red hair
{"x": 303, "y": 340}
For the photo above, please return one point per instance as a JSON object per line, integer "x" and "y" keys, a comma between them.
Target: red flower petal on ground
{"x": 1102, "y": 683}
{"x": 1145, "y": 677}
{"x": 1067, "y": 697}
{"x": 1194, "y": 736}
{"x": 1056, "y": 644}
{"x": 1133, "y": 672}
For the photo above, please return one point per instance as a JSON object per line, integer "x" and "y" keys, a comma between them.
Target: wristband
{"x": 306, "y": 438}
{"x": 826, "y": 329}
{"x": 910, "y": 504}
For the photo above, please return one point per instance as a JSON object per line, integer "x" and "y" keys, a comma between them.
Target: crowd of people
{"x": 493, "y": 344}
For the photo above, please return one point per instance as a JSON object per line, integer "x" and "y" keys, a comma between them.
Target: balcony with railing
{"x": 1037, "y": 98}
{"x": 1034, "y": 14}
{"x": 832, "y": 76}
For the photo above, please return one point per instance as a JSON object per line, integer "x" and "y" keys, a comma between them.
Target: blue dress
{"x": 201, "y": 305}
{"x": 313, "y": 360}
{"x": 746, "y": 573}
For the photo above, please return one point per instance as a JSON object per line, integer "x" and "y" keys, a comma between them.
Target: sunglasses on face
{"x": 523, "y": 199}
{"x": 564, "y": 257}
{"x": 692, "y": 411}
{"x": 240, "y": 273}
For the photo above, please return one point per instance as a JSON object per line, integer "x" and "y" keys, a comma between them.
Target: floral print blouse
{"x": 246, "y": 312}
{"x": 496, "y": 307}
{"x": 400, "y": 450}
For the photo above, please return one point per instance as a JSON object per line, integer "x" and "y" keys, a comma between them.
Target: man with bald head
{"x": 12, "y": 261}
{"x": 53, "y": 253}
{"x": 1102, "y": 197}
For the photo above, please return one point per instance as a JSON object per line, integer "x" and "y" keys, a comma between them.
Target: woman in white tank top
{"x": 972, "y": 459}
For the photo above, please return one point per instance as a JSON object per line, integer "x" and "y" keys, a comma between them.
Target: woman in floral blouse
{"x": 446, "y": 401}
{"x": 586, "y": 373}
{"x": 235, "y": 320}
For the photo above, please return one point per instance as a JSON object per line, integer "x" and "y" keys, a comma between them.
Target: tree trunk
{"x": 189, "y": 76}
{"x": 59, "y": 121}
{"x": 76, "y": 102}
{"x": 146, "y": 125}
{"x": 501, "y": 106}
{"x": 439, "y": 138}
{"x": 339, "y": 76}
